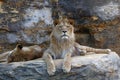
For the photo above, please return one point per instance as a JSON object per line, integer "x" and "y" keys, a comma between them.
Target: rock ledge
{"x": 89, "y": 67}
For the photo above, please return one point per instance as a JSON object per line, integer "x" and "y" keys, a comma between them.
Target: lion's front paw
{"x": 51, "y": 70}
{"x": 109, "y": 50}
{"x": 66, "y": 67}
{"x": 83, "y": 52}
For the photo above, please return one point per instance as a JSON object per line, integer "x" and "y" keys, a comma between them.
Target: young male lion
{"x": 21, "y": 53}
{"x": 63, "y": 45}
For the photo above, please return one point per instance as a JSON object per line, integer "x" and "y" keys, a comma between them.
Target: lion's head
{"x": 17, "y": 49}
{"x": 15, "y": 52}
{"x": 63, "y": 30}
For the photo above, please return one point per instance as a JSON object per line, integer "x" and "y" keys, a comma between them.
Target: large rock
{"x": 89, "y": 67}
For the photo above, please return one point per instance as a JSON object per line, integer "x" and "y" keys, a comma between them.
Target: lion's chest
{"x": 61, "y": 53}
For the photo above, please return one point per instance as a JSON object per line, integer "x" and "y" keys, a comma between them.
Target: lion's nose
{"x": 64, "y": 31}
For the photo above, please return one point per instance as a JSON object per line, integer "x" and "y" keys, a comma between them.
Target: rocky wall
{"x": 25, "y": 21}
{"x": 97, "y": 23}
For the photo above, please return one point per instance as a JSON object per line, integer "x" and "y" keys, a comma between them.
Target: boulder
{"x": 88, "y": 67}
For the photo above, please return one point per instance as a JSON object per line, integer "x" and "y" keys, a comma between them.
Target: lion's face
{"x": 18, "y": 49}
{"x": 64, "y": 31}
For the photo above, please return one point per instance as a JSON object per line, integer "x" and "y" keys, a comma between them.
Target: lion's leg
{"x": 86, "y": 49}
{"x": 90, "y": 49}
{"x": 4, "y": 55}
{"x": 9, "y": 60}
{"x": 67, "y": 63}
{"x": 50, "y": 64}
{"x": 2, "y": 60}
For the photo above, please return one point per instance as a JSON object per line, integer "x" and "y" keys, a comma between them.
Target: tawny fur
{"x": 3, "y": 56}
{"x": 63, "y": 45}
{"x": 24, "y": 53}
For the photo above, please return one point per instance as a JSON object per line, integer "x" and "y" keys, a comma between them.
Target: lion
{"x": 3, "y": 56}
{"x": 21, "y": 53}
{"x": 63, "y": 46}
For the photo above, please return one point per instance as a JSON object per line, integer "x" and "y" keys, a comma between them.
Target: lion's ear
{"x": 71, "y": 22}
{"x": 19, "y": 46}
{"x": 56, "y": 22}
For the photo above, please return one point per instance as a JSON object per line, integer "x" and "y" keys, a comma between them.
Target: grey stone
{"x": 104, "y": 9}
{"x": 89, "y": 67}
{"x": 12, "y": 38}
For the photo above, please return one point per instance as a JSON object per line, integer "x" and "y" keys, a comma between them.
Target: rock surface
{"x": 89, "y": 67}
{"x": 24, "y": 21}
{"x": 97, "y": 22}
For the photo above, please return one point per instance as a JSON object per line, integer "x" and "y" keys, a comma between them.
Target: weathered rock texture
{"x": 25, "y": 21}
{"x": 89, "y": 67}
{"x": 97, "y": 22}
